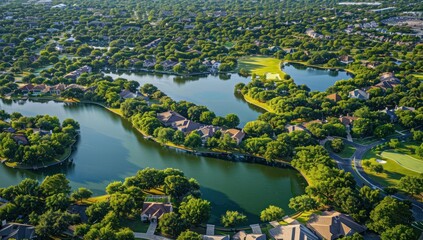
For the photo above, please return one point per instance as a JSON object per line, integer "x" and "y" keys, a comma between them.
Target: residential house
{"x": 153, "y": 211}
{"x": 168, "y": 64}
{"x": 16, "y": 231}
{"x": 334, "y": 97}
{"x": 388, "y": 80}
{"x": 26, "y": 88}
{"x": 125, "y": 94}
{"x": 186, "y": 126}
{"x": 149, "y": 63}
{"x": 9, "y": 130}
{"x": 345, "y": 59}
{"x": 75, "y": 74}
{"x": 372, "y": 65}
{"x": 347, "y": 120}
{"x": 391, "y": 113}
{"x": 359, "y": 94}
{"x": 216, "y": 237}
{"x": 169, "y": 117}
{"x": 291, "y": 128}
{"x": 241, "y": 235}
{"x": 40, "y": 89}
{"x": 295, "y": 231}
{"x": 207, "y": 132}
{"x": 42, "y": 132}
{"x": 332, "y": 225}
{"x": 20, "y": 139}
{"x": 57, "y": 89}
{"x": 235, "y": 134}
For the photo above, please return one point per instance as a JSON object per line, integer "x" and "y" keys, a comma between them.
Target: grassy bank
{"x": 261, "y": 65}
{"x": 321, "y": 66}
{"x": 254, "y": 102}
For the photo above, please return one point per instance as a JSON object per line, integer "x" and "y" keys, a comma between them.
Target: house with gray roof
{"x": 332, "y": 225}
{"x": 16, "y": 231}
{"x": 292, "y": 232}
{"x": 359, "y": 94}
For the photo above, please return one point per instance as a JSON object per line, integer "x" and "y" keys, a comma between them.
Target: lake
{"x": 213, "y": 91}
{"x": 315, "y": 78}
{"x": 110, "y": 150}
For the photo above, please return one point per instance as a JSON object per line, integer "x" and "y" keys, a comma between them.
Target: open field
{"x": 405, "y": 161}
{"x": 418, "y": 75}
{"x": 392, "y": 173}
{"x": 261, "y": 65}
{"x": 258, "y": 104}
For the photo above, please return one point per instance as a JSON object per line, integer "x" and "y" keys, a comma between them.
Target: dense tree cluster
{"x": 35, "y": 140}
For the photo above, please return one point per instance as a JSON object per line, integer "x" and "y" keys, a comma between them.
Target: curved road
{"x": 361, "y": 177}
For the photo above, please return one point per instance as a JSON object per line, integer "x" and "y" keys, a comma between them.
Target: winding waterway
{"x": 110, "y": 150}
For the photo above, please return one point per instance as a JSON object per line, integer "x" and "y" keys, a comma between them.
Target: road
{"x": 361, "y": 178}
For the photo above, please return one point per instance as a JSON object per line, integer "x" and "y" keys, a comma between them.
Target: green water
{"x": 110, "y": 149}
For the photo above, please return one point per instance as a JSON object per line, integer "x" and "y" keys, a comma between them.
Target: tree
{"x": 81, "y": 193}
{"x": 172, "y": 225}
{"x": 226, "y": 142}
{"x": 399, "y": 232}
{"x": 176, "y": 186}
{"x": 303, "y": 203}
{"x": 232, "y": 120}
{"x": 355, "y": 236}
{"x": 57, "y": 202}
{"x": 53, "y": 223}
{"x": 394, "y": 143}
{"x": 125, "y": 234}
{"x": 97, "y": 211}
{"x": 389, "y": 213}
{"x": 258, "y": 129}
{"x": 271, "y": 213}
{"x": 195, "y": 211}
{"x": 232, "y": 218}
{"x": 337, "y": 145}
{"x": 189, "y": 235}
{"x": 122, "y": 204}
{"x": 193, "y": 140}
{"x": 412, "y": 185}
{"x": 55, "y": 184}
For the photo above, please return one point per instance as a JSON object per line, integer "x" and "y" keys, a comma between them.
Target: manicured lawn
{"x": 257, "y": 103}
{"x": 392, "y": 173}
{"x": 346, "y": 153}
{"x": 135, "y": 225}
{"x": 404, "y": 160}
{"x": 96, "y": 199}
{"x": 261, "y": 65}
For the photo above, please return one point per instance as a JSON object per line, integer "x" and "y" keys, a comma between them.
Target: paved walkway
{"x": 152, "y": 228}
{"x": 210, "y": 229}
{"x": 149, "y": 236}
{"x": 256, "y": 228}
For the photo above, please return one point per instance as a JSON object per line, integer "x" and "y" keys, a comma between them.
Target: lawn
{"x": 261, "y": 66}
{"x": 405, "y": 160}
{"x": 392, "y": 173}
{"x": 346, "y": 153}
{"x": 135, "y": 225}
{"x": 229, "y": 45}
{"x": 258, "y": 103}
{"x": 305, "y": 216}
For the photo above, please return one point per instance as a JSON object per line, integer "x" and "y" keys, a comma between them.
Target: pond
{"x": 315, "y": 78}
{"x": 110, "y": 150}
{"x": 214, "y": 91}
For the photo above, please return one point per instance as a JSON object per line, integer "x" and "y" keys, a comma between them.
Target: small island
{"x": 36, "y": 142}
